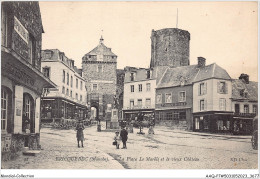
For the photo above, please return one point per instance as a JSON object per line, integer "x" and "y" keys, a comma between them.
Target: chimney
{"x": 244, "y": 78}
{"x": 201, "y": 62}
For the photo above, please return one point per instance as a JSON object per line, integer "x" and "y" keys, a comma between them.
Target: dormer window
{"x": 48, "y": 55}
{"x": 148, "y": 74}
{"x": 46, "y": 72}
{"x": 132, "y": 76}
{"x": 244, "y": 93}
{"x": 89, "y": 56}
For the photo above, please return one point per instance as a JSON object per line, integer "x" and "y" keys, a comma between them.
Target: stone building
{"x": 244, "y": 103}
{"x": 212, "y": 90}
{"x": 22, "y": 82}
{"x": 99, "y": 69}
{"x": 139, "y": 93}
{"x": 170, "y": 47}
{"x": 68, "y": 101}
{"x": 174, "y": 97}
{"x": 120, "y": 91}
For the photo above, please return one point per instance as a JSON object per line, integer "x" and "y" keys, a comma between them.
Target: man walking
{"x": 124, "y": 137}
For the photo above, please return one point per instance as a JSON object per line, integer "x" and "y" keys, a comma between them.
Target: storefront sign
{"x": 18, "y": 74}
{"x": 21, "y": 30}
{"x": 174, "y": 104}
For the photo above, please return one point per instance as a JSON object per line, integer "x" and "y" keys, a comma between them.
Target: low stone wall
{"x": 12, "y": 145}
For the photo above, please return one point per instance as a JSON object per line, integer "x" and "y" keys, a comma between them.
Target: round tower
{"x": 170, "y": 47}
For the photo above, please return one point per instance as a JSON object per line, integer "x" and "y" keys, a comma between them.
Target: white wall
{"x": 128, "y": 95}
{"x": 56, "y": 75}
{"x": 212, "y": 96}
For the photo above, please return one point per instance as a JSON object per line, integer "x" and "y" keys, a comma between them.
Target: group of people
{"x": 117, "y": 139}
{"x": 122, "y": 137}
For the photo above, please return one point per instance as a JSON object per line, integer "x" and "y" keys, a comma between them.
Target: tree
{"x": 140, "y": 119}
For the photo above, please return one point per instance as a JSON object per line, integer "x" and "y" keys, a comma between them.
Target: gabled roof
{"x": 101, "y": 49}
{"x": 239, "y": 87}
{"x": 186, "y": 75}
{"x": 212, "y": 71}
{"x": 177, "y": 76}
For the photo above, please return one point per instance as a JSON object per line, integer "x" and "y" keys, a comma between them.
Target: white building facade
{"x": 212, "y": 91}
{"x": 68, "y": 100}
{"x": 139, "y": 93}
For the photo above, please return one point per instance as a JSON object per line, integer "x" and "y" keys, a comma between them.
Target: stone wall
{"x": 170, "y": 47}
{"x": 90, "y": 73}
{"x": 13, "y": 144}
{"x": 28, "y": 13}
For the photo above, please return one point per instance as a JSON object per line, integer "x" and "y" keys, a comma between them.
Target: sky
{"x": 225, "y": 33}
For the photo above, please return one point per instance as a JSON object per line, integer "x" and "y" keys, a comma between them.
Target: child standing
{"x": 117, "y": 139}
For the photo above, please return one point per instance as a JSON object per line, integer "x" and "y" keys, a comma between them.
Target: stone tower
{"x": 170, "y": 47}
{"x": 99, "y": 69}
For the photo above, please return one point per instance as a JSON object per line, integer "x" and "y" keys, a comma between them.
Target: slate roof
{"x": 239, "y": 86}
{"x": 212, "y": 71}
{"x": 101, "y": 49}
{"x": 174, "y": 76}
{"x": 186, "y": 75}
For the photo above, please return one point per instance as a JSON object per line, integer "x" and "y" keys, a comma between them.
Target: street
{"x": 166, "y": 149}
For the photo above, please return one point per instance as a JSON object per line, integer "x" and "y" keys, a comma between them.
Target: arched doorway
{"x": 28, "y": 120}
{"x": 94, "y": 106}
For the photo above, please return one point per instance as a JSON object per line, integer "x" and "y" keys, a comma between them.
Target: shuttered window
{"x": 202, "y": 88}
{"x": 222, "y": 87}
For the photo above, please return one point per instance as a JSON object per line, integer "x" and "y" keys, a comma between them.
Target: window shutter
{"x": 199, "y": 105}
{"x": 205, "y": 105}
{"x": 218, "y": 87}
{"x": 205, "y": 88}
{"x": 18, "y": 106}
{"x": 219, "y": 105}
{"x": 37, "y": 115}
{"x": 226, "y": 90}
{"x": 225, "y": 107}
{"x": 198, "y": 89}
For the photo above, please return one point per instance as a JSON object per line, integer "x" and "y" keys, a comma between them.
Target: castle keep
{"x": 170, "y": 47}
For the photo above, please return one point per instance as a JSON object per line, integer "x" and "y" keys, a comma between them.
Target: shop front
{"x": 243, "y": 123}
{"x": 215, "y": 122}
{"x": 21, "y": 90}
{"x": 131, "y": 116}
{"x": 173, "y": 117}
{"x": 58, "y": 108}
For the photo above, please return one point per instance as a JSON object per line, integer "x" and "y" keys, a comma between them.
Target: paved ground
{"x": 167, "y": 149}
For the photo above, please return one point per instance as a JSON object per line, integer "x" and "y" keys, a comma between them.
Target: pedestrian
{"x": 151, "y": 131}
{"x": 80, "y": 136}
{"x": 117, "y": 140}
{"x": 124, "y": 136}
